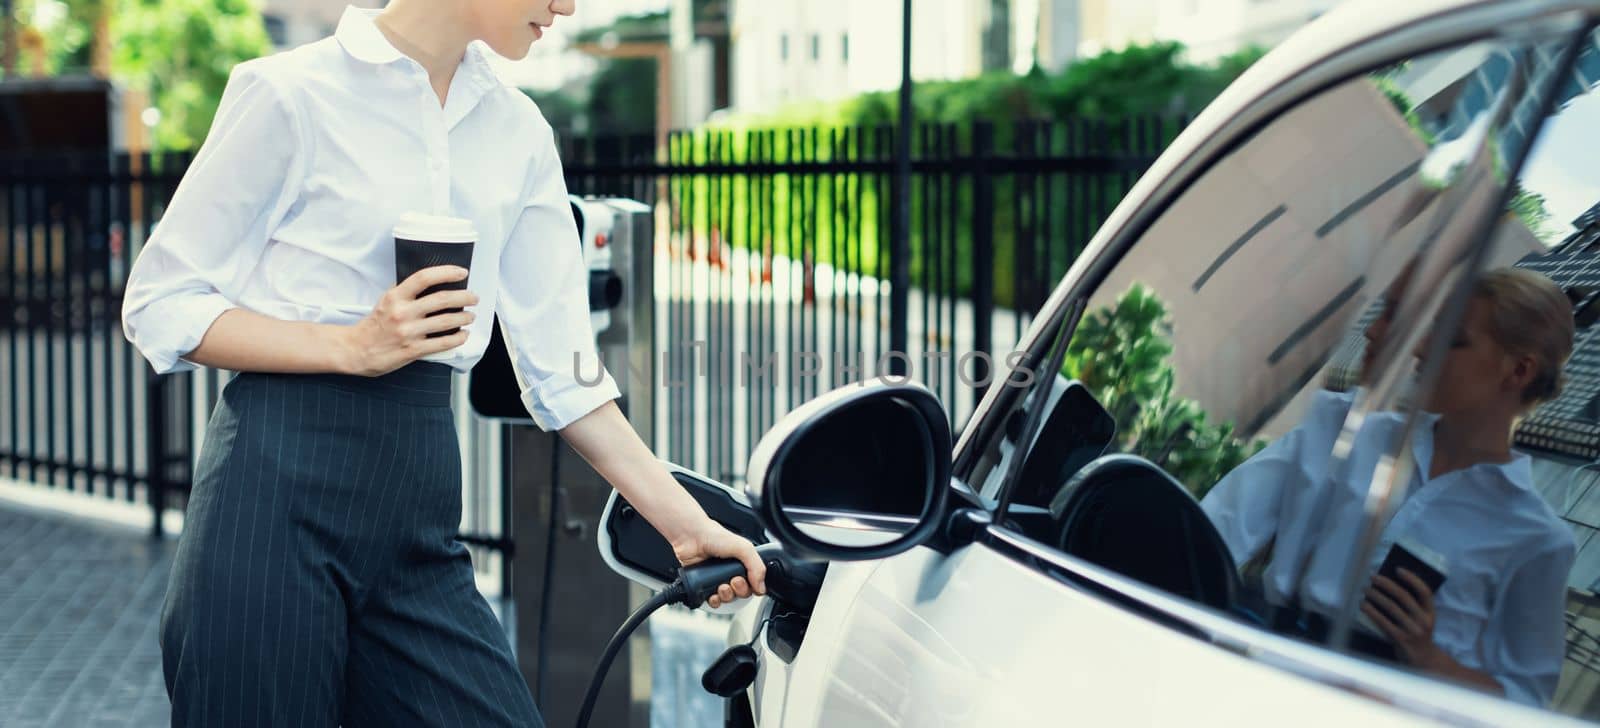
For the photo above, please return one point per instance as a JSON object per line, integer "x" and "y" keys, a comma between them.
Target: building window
{"x": 844, "y": 47}
{"x": 816, "y": 46}
{"x": 783, "y": 46}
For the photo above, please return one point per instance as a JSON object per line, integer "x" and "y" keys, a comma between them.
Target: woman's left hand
{"x": 711, "y": 541}
{"x": 1404, "y": 611}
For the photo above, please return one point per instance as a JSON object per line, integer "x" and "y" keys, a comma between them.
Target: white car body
{"x": 906, "y": 641}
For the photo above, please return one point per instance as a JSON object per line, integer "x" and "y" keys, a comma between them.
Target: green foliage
{"x": 1135, "y": 81}
{"x": 653, "y": 26}
{"x": 1530, "y": 208}
{"x": 619, "y": 99}
{"x": 1138, "y": 79}
{"x": 645, "y": 26}
{"x": 182, "y": 51}
{"x": 66, "y": 27}
{"x": 622, "y": 97}
{"x": 1101, "y": 97}
{"x": 1121, "y": 354}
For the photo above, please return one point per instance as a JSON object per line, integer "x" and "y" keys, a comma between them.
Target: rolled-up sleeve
{"x": 1524, "y": 642}
{"x": 236, "y": 191}
{"x": 1246, "y": 504}
{"x": 1274, "y": 490}
{"x": 543, "y": 303}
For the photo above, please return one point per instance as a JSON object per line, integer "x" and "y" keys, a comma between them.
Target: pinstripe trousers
{"x": 318, "y": 581}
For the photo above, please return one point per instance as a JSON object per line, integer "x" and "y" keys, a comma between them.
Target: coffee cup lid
{"x": 435, "y": 228}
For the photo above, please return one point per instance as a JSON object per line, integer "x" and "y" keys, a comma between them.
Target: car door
{"x": 1217, "y": 316}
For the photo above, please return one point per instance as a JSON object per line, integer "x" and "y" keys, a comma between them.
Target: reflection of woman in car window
{"x": 1497, "y": 621}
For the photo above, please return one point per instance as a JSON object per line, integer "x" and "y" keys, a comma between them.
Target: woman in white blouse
{"x": 318, "y": 581}
{"x": 1497, "y": 621}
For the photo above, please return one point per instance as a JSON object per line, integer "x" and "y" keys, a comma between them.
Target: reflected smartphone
{"x": 1429, "y": 566}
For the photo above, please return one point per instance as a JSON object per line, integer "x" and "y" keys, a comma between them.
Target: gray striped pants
{"x": 318, "y": 581}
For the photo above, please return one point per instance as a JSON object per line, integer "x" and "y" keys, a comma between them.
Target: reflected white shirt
{"x": 288, "y": 210}
{"x": 1501, "y": 608}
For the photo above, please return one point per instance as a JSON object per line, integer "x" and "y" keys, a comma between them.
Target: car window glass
{"x": 1464, "y": 556}
{"x": 1213, "y": 332}
{"x": 1517, "y": 603}
{"x": 1234, "y": 347}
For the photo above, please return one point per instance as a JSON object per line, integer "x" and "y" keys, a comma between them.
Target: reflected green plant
{"x": 1122, "y": 354}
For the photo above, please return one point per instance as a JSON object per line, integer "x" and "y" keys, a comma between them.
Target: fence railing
{"x": 775, "y": 244}
{"x": 773, "y": 285}
{"x": 84, "y": 413}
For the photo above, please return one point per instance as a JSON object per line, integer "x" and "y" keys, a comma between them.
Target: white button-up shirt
{"x": 1502, "y": 605}
{"x": 288, "y": 210}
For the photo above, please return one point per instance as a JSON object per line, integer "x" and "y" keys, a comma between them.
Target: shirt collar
{"x": 360, "y": 37}
{"x": 476, "y": 64}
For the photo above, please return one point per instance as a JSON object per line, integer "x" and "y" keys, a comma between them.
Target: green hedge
{"x": 840, "y": 217}
{"x": 1122, "y": 107}
{"x": 1136, "y": 81}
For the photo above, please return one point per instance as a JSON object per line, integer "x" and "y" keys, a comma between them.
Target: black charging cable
{"x": 694, "y": 585}
{"x": 545, "y": 590}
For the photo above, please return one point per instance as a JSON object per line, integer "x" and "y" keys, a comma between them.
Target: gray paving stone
{"x": 79, "y": 612}
{"x": 79, "y": 604}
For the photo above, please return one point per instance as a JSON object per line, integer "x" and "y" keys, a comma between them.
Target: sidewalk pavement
{"x": 79, "y": 604}
{"x": 80, "y": 600}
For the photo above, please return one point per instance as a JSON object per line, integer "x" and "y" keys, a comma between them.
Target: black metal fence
{"x": 84, "y": 414}
{"x": 773, "y": 281}
{"x": 773, "y": 265}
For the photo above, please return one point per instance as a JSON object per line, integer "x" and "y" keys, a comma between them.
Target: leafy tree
{"x": 622, "y": 97}
{"x": 654, "y": 26}
{"x": 1156, "y": 75}
{"x": 619, "y": 99}
{"x": 1137, "y": 79}
{"x": 182, "y": 51}
{"x": 1121, "y": 354}
{"x": 66, "y": 30}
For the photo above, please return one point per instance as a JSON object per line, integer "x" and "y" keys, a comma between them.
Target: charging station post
{"x": 565, "y": 602}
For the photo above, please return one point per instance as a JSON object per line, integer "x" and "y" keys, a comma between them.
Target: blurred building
{"x": 556, "y": 61}
{"x": 793, "y": 51}
{"x": 1102, "y": 25}
{"x": 1210, "y": 29}
{"x": 551, "y": 64}
{"x": 1215, "y": 28}
{"x": 789, "y": 51}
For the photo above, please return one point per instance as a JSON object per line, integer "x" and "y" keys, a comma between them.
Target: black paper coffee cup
{"x": 424, "y": 241}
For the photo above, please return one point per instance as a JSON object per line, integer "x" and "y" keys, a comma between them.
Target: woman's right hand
{"x": 396, "y": 332}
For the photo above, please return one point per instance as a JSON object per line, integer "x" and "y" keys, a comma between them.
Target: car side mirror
{"x": 861, "y": 472}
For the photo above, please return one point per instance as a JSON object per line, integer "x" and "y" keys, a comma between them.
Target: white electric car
{"x": 1052, "y": 564}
